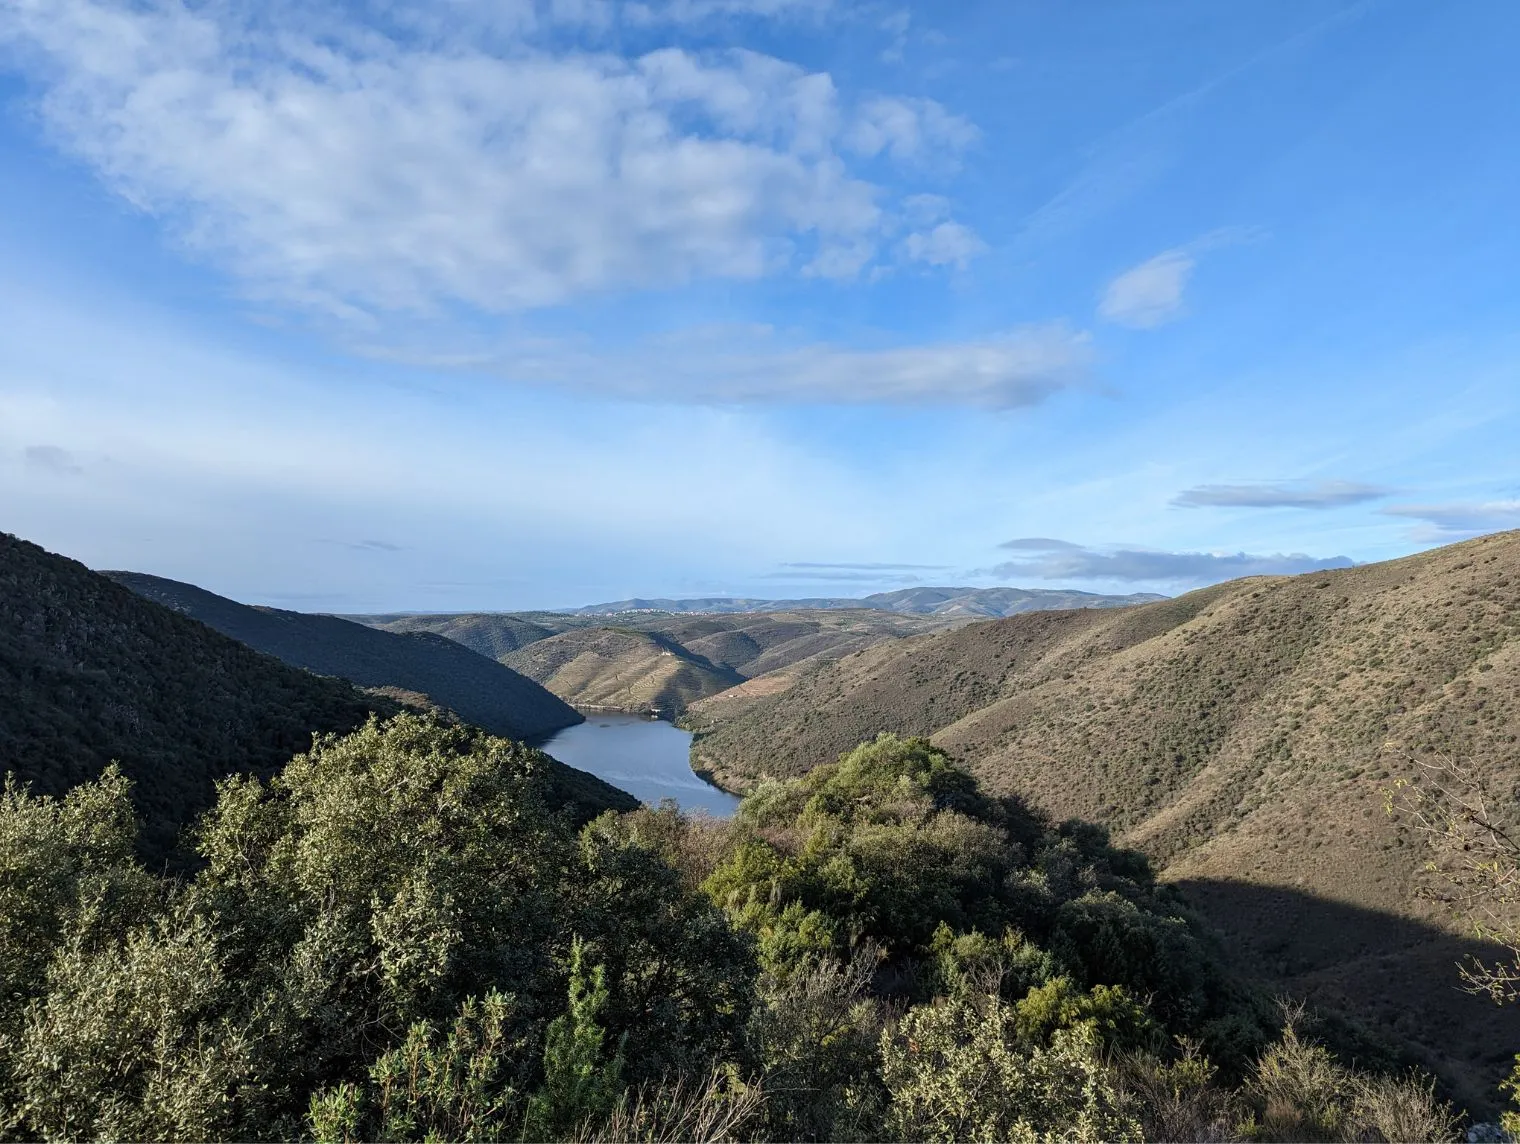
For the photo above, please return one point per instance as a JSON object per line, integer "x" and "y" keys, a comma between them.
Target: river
{"x": 648, "y": 758}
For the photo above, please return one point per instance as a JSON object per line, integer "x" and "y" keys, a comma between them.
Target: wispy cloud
{"x": 52, "y": 459}
{"x": 843, "y": 577}
{"x": 1459, "y": 520}
{"x": 1281, "y": 494}
{"x": 869, "y": 567}
{"x": 1062, "y": 560}
{"x": 1019, "y": 367}
{"x": 1040, "y": 544}
{"x": 1150, "y": 294}
{"x": 346, "y": 170}
{"x": 368, "y": 545}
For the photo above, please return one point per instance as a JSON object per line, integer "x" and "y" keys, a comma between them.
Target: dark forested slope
{"x": 476, "y": 688}
{"x": 91, "y": 672}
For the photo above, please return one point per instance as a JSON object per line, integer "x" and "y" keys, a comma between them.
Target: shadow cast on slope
{"x": 1393, "y": 977}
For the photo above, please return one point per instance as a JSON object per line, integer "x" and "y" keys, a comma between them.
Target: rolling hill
{"x": 663, "y": 661}
{"x": 477, "y": 688}
{"x": 1241, "y": 735}
{"x": 624, "y": 669}
{"x": 493, "y": 634}
{"x": 92, "y": 672}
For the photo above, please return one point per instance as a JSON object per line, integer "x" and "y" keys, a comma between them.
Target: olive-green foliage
{"x": 1300, "y": 1092}
{"x": 894, "y": 845}
{"x": 957, "y": 1071}
{"x": 582, "y": 1081}
{"x": 456, "y": 1087}
{"x": 392, "y": 884}
{"x": 91, "y": 673}
{"x": 398, "y": 938}
{"x": 815, "y": 1036}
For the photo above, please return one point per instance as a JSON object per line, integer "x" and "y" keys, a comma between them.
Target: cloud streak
{"x": 1016, "y": 368}
{"x": 1459, "y": 520}
{"x": 1062, "y": 560}
{"x": 1150, "y": 294}
{"x": 870, "y": 567}
{"x": 1315, "y": 495}
{"x": 52, "y": 459}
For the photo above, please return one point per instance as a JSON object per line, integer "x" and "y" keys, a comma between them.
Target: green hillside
{"x": 492, "y": 634}
{"x": 1241, "y": 736}
{"x": 475, "y": 687}
{"x": 92, "y": 672}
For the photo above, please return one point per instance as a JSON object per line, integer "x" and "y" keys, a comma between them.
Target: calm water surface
{"x": 648, "y": 758}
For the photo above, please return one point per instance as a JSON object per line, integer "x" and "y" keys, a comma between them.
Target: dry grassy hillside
{"x": 1241, "y": 735}
{"x": 659, "y": 660}
{"x": 621, "y": 668}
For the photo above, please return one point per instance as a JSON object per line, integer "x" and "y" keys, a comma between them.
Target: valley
{"x": 663, "y": 655}
{"x": 1241, "y": 737}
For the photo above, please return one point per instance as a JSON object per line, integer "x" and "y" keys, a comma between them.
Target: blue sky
{"x": 510, "y": 304}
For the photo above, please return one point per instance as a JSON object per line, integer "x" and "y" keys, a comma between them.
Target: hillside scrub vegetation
{"x": 398, "y": 937}
{"x": 1241, "y": 737}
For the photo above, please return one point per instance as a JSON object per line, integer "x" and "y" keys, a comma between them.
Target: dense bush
{"x": 397, "y": 938}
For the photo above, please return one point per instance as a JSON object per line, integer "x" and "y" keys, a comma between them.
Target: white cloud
{"x": 335, "y": 167}
{"x": 1319, "y": 494}
{"x": 948, "y": 244}
{"x": 1458, "y": 521}
{"x": 911, "y": 131}
{"x": 1150, "y": 294}
{"x": 696, "y": 11}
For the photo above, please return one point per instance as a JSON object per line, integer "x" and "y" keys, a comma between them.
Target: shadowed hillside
{"x": 1244, "y": 732}
{"x": 91, "y": 672}
{"x": 476, "y": 688}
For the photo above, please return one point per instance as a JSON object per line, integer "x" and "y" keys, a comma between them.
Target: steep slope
{"x": 621, "y": 668}
{"x": 91, "y": 672}
{"x": 476, "y": 688}
{"x": 1241, "y": 735}
{"x": 912, "y": 601}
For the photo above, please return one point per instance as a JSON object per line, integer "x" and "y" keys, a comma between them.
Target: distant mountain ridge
{"x": 477, "y": 688}
{"x": 663, "y": 661}
{"x": 991, "y": 603}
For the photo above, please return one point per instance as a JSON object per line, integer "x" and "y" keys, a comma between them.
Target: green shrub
{"x": 956, "y": 1071}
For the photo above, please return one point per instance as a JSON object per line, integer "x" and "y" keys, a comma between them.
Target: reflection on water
{"x": 648, "y": 758}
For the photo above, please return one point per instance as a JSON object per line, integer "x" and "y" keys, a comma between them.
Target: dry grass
{"x": 1240, "y": 735}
